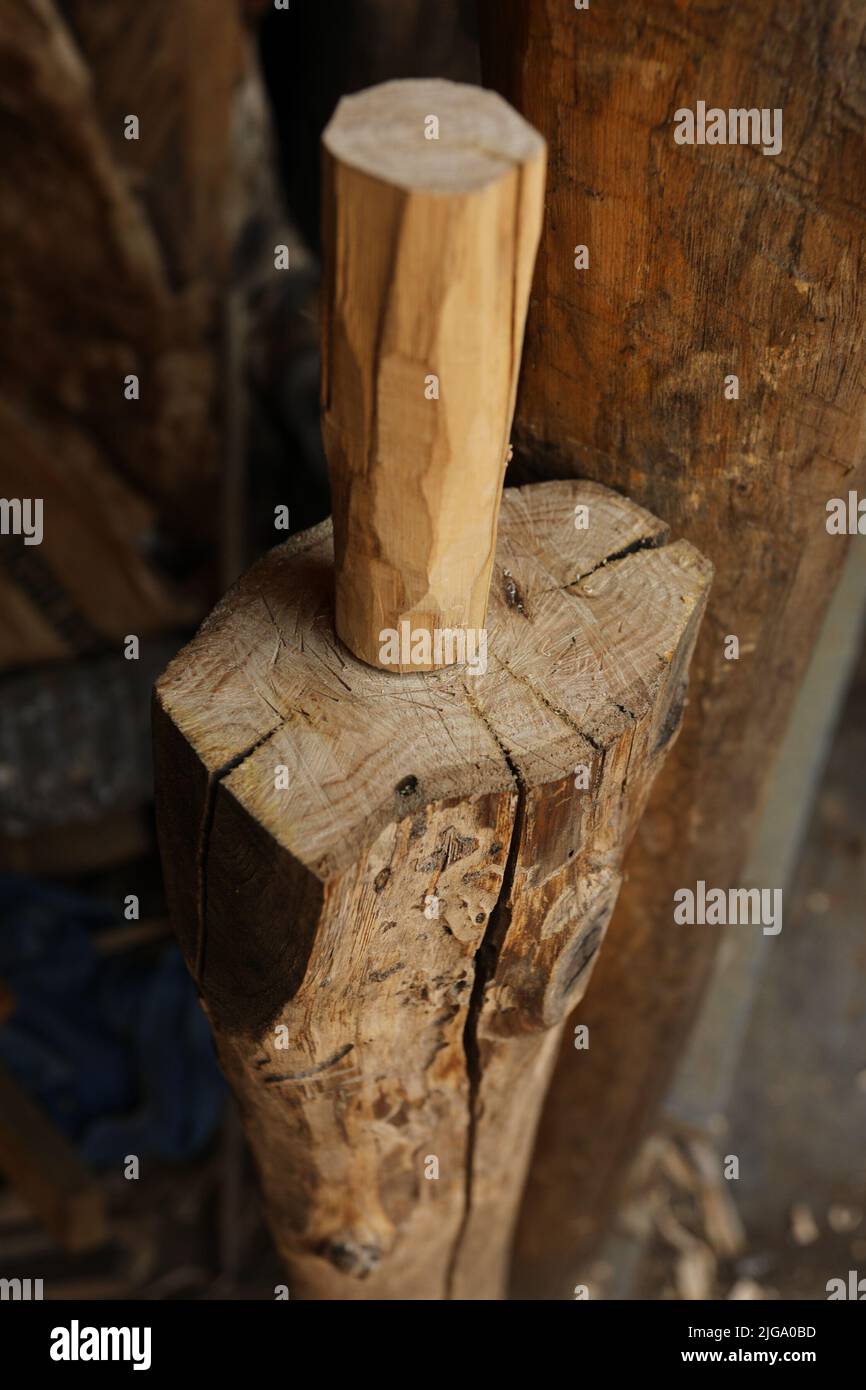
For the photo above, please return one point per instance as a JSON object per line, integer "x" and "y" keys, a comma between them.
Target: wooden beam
{"x": 704, "y": 261}
{"x": 392, "y": 890}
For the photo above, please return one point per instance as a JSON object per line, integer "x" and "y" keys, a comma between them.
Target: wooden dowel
{"x": 432, "y": 211}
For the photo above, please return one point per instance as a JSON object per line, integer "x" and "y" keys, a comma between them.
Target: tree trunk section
{"x": 705, "y": 261}
{"x": 391, "y": 889}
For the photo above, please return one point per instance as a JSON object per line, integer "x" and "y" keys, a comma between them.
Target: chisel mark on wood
{"x": 273, "y": 1079}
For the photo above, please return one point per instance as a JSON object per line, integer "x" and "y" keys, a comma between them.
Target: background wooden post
{"x": 703, "y": 262}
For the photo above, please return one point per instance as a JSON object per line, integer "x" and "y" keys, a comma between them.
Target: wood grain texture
{"x": 704, "y": 261}
{"x": 176, "y": 64}
{"x": 96, "y": 289}
{"x": 429, "y": 246}
{"x": 422, "y": 906}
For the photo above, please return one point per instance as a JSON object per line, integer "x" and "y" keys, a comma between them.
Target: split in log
{"x": 392, "y": 889}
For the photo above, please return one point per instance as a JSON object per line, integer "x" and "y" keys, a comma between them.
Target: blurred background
{"x": 153, "y": 258}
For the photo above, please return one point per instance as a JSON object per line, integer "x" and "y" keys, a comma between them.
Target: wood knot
{"x": 350, "y": 1256}
{"x": 513, "y": 596}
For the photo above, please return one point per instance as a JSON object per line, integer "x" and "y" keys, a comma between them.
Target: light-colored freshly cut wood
{"x": 392, "y": 889}
{"x": 429, "y": 245}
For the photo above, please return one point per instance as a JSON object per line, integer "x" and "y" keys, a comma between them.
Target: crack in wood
{"x": 203, "y": 847}
{"x": 484, "y": 967}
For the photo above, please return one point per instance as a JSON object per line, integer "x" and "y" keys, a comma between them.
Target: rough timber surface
{"x": 364, "y": 1035}
{"x": 704, "y": 261}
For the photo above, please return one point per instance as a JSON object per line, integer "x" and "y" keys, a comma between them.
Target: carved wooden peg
{"x": 433, "y": 197}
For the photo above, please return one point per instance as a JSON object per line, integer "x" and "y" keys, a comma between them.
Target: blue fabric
{"x": 118, "y": 1052}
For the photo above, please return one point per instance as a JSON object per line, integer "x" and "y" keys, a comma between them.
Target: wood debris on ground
{"x": 680, "y": 1205}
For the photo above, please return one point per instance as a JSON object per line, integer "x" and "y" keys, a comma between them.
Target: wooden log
{"x": 45, "y": 1169}
{"x": 176, "y": 65}
{"x": 103, "y": 287}
{"x": 704, "y": 261}
{"x": 75, "y": 741}
{"x": 95, "y": 303}
{"x": 391, "y": 889}
{"x": 89, "y": 582}
{"x": 430, "y": 232}
{"x": 82, "y": 847}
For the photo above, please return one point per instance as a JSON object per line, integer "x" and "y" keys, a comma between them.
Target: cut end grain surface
{"x": 573, "y": 640}
{"x": 381, "y": 132}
